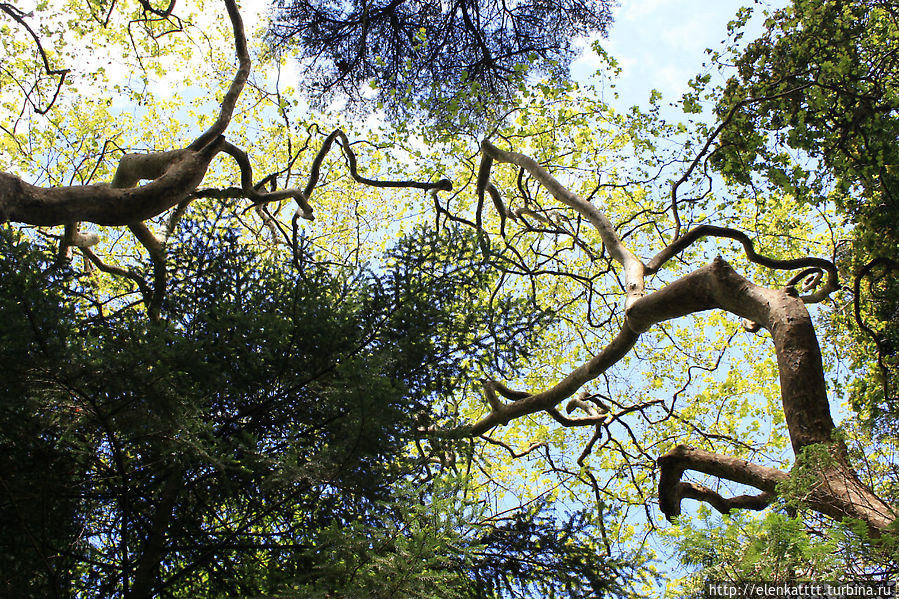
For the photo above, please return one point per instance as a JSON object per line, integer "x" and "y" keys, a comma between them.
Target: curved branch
{"x": 73, "y": 237}
{"x": 725, "y": 504}
{"x": 633, "y": 267}
{"x": 315, "y": 173}
{"x": 173, "y": 175}
{"x": 809, "y": 263}
{"x": 156, "y": 248}
{"x": 708, "y": 143}
{"x": 441, "y": 185}
{"x": 715, "y": 286}
{"x": 251, "y": 191}
{"x": 524, "y": 403}
{"x": 681, "y": 458}
{"x": 165, "y": 12}
{"x": 511, "y": 450}
{"x": 836, "y": 491}
{"x": 237, "y": 84}
{"x": 119, "y": 272}
{"x": 104, "y": 204}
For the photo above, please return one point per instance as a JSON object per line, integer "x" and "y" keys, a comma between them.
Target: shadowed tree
{"x": 439, "y": 57}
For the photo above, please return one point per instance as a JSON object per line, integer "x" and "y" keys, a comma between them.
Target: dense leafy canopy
{"x": 442, "y": 57}
{"x": 220, "y": 396}
{"x": 815, "y": 104}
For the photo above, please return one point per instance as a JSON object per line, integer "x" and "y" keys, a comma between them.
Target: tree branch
{"x": 633, "y": 267}
{"x": 512, "y": 452}
{"x": 173, "y": 175}
{"x": 119, "y": 272}
{"x": 240, "y": 78}
{"x": 673, "y": 464}
{"x": 708, "y": 143}
{"x": 810, "y": 263}
{"x": 857, "y": 313}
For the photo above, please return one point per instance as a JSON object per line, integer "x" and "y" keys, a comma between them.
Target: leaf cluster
{"x": 204, "y": 454}
{"x": 447, "y": 60}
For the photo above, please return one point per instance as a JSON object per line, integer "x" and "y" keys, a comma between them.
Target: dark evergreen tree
{"x": 446, "y": 57}
{"x": 209, "y": 454}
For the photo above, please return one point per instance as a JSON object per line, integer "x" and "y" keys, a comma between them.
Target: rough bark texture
{"x": 103, "y": 204}
{"x": 681, "y": 458}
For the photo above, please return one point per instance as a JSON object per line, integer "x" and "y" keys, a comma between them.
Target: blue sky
{"x": 660, "y": 44}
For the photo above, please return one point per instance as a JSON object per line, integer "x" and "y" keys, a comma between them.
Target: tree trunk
{"x": 834, "y": 487}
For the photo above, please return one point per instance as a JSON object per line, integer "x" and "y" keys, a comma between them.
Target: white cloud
{"x": 660, "y": 44}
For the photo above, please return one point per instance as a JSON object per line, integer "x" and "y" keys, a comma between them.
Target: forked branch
{"x": 632, "y": 266}
{"x": 681, "y": 458}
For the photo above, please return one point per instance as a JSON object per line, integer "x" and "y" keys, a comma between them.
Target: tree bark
{"x": 835, "y": 487}
{"x": 103, "y": 204}
{"x": 146, "y": 577}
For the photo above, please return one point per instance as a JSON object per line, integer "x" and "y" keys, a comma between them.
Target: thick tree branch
{"x": 838, "y": 493}
{"x": 835, "y": 491}
{"x": 73, "y": 237}
{"x": 681, "y": 458}
{"x": 567, "y": 421}
{"x": 173, "y": 175}
{"x": 725, "y": 504}
{"x": 103, "y": 204}
{"x": 525, "y": 404}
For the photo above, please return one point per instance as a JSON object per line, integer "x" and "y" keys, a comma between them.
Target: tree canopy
{"x": 821, "y": 85}
{"x": 258, "y": 344}
{"x": 431, "y": 55}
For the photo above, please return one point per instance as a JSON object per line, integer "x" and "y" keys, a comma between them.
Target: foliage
{"x": 454, "y": 61}
{"x": 415, "y": 548}
{"x": 440, "y": 548}
{"x": 37, "y": 468}
{"x": 273, "y": 402}
{"x": 816, "y": 115}
{"x": 809, "y": 118}
{"x": 775, "y": 548}
{"x": 256, "y": 442}
{"x": 528, "y": 554}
